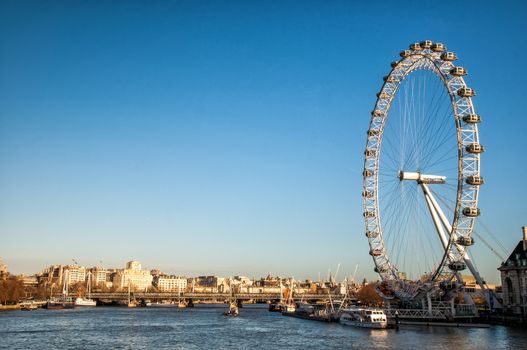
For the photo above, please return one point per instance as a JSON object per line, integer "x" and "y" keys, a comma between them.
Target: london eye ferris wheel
{"x": 422, "y": 174}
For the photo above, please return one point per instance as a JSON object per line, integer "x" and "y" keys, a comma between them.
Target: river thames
{"x": 204, "y": 327}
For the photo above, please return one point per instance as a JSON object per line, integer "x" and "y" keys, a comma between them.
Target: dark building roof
{"x": 517, "y": 259}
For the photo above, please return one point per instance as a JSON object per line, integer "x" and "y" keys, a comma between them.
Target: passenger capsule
{"x": 383, "y": 95}
{"x": 375, "y": 252}
{"x": 373, "y": 132}
{"x": 370, "y": 153}
{"x": 369, "y": 214}
{"x": 367, "y": 194}
{"x": 438, "y": 47}
{"x": 367, "y": 173}
{"x": 475, "y": 148}
{"x": 457, "y": 266}
{"x": 415, "y": 47}
{"x": 458, "y": 71}
{"x": 472, "y": 118}
{"x": 474, "y": 180}
{"x": 466, "y": 92}
{"x": 426, "y": 44}
{"x": 465, "y": 241}
{"x": 372, "y": 234}
{"x": 448, "y": 56}
{"x": 378, "y": 113}
{"x": 471, "y": 212}
{"x": 394, "y": 64}
{"x": 405, "y": 53}
{"x": 389, "y": 79}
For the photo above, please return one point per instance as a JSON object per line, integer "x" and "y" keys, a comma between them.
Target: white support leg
{"x": 448, "y": 227}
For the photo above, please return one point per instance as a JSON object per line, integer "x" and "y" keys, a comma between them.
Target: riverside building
{"x": 132, "y": 276}
{"x": 514, "y": 279}
{"x": 165, "y": 283}
{"x": 54, "y": 274}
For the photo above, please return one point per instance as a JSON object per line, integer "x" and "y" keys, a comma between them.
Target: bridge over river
{"x": 208, "y": 297}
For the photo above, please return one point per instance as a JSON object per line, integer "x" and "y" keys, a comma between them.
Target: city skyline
{"x": 228, "y": 137}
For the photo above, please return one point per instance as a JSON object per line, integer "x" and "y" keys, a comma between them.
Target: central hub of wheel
{"x": 421, "y": 178}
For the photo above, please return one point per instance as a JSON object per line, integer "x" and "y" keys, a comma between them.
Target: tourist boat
{"x": 85, "y": 302}
{"x": 364, "y": 317}
{"x": 163, "y": 304}
{"x": 314, "y": 312}
{"x": 59, "y": 304}
{"x": 28, "y": 306}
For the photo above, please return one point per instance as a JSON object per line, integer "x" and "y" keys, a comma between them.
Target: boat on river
{"x": 59, "y": 304}
{"x": 233, "y": 310}
{"x": 364, "y": 317}
{"x": 63, "y": 302}
{"x": 314, "y": 312}
{"x": 85, "y": 302}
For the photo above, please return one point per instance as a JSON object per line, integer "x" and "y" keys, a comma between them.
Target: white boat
{"x": 167, "y": 304}
{"x": 364, "y": 317}
{"x": 85, "y": 302}
{"x": 288, "y": 308}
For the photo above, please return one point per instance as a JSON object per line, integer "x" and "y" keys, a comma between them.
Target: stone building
{"x": 514, "y": 279}
{"x": 101, "y": 277}
{"x": 208, "y": 284}
{"x": 54, "y": 274}
{"x": 132, "y": 276}
{"x": 165, "y": 283}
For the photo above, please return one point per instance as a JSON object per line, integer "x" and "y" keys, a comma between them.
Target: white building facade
{"x": 133, "y": 276}
{"x": 165, "y": 283}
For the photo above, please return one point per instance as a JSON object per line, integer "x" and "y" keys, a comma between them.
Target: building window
{"x": 510, "y": 291}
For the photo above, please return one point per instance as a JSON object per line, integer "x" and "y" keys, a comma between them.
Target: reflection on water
{"x": 205, "y": 327}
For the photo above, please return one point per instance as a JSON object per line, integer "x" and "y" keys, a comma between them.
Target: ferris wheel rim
{"x": 439, "y": 62}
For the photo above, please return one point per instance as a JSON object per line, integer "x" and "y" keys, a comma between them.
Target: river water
{"x": 204, "y": 327}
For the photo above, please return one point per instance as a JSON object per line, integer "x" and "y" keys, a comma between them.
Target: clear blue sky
{"x": 226, "y": 137}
